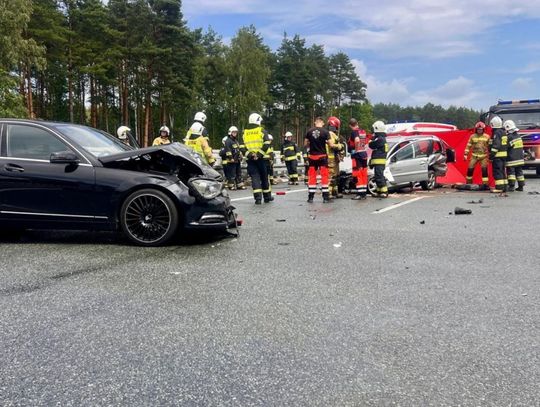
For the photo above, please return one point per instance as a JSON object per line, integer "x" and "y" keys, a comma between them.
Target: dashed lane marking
{"x": 397, "y": 205}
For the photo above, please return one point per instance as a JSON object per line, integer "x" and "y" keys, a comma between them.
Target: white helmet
{"x": 510, "y": 126}
{"x": 288, "y": 134}
{"x": 122, "y": 132}
{"x": 270, "y": 137}
{"x": 255, "y": 118}
{"x": 233, "y": 128}
{"x": 224, "y": 139}
{"x": 200, "y": 117}
{"x": 165, "y": 129}
{"x": 196, "y": 128}
{"x": 496, "y": 122}
{"x": 379, "y": 127}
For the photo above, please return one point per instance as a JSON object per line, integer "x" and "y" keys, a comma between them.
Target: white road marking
{"x": 397, "y": 205}
{"x": 251, "y": 197}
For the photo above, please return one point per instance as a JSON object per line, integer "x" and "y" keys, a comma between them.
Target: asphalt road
{"x": 344, "y": 304}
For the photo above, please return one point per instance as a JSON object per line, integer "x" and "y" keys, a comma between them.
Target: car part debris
{"x": 476, "y": 202}
{"x": 462, "y": 211}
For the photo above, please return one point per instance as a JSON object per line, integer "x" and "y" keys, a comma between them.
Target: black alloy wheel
{"x": 149, "y": 217}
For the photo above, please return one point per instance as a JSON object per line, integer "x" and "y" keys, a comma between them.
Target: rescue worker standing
{"x": 233, "y": 157}
{"x": 163, "y": 137}
{"x": 256, "y": 145}
{"x": 315, "y": 142}
{"x": 478, "y": 145}
{"x": 197, "y": 142}
{"x": 378, "y": 157}
{"x": 200, "y": 117}
{"x": 515, "y": 159}
{"x": 289, "y": 154}
{"x": 498, "y": 155}
{"x": 334, "y": 156}
{"x": 358, "y": 143}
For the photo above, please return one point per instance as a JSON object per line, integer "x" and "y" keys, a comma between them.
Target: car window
{"x": 96, "y": 142}
{"x": 406, "y": 153}
{"x": 31, "y": 142}
{"x": 437, "y": 148}
{"x": 421, "y": 148}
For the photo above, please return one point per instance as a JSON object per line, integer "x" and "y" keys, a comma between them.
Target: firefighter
{"x": 315, "y": 142}
{"x": 498, "y": 155}
{"x": 123, "y": 134}
{"x": 256, "y": 145}
{"x": 290, "y": 155}
{"x": 269, "y": 159}
{"x": 378, "y": 157}
{"x": 479, "y": 146}
{"x": 200, "y": 117}
{"x": 233, "y": 157}
{"x": 358, "y": 143}
{"x": 515, "y": 159}
{"x": 163, "y": 137}
{"x": 334, "y": 156}
{"x": 198, "y": 142}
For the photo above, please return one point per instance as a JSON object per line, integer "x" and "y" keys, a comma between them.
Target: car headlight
{"x": 206, "y": 188}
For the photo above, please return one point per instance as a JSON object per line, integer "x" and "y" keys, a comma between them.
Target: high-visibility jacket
{"x": 499, "y": 144}
{"x": 515, "y": 150}
{"x": 289, "y": 151}
{"x": 159, "y": 141}
{"x": 255, "y": 141}
{"x": 478, "y": 144}
{"x": 380, "y": 149}
{"x": 333, "y": 152}
{"x": 198, "y": 143}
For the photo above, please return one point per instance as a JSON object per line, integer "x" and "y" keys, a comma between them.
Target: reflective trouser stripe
{"x": 511, "y": 178}
{"x": 257, "y": 190}
{"x": 378, "y": 161}
{"x": 515, "y": 163}
{"x": 500, "y": 181}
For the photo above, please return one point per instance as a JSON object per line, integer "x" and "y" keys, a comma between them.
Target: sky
{"x": 450, "y": 52}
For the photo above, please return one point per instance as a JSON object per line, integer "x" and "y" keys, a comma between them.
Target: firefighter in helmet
{"x": 334, "y": 156}
{"x": 290, "y": 155}
{"x": 478, "y": 146}
{"x": 498, "y": 155}
{"x": 515, "y": 159}
{"x": 198, "y": 142}
{"x": 233, "y": 159}
{"x": 164, "y": 136}
{"x": 378, "y": 157}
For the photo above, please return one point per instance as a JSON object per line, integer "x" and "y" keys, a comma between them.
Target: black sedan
{"x": 66, "y": 176}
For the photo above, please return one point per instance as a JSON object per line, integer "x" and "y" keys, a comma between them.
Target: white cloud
{"x": 459, "y": 91}
{"x": 532, "y": 67}
{"x": 522, "y": 85}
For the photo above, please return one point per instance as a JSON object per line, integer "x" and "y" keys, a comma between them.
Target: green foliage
{"x": 135, "y": 62}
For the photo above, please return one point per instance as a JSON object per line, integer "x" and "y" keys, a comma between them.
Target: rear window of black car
{"x": 95, "y": 142}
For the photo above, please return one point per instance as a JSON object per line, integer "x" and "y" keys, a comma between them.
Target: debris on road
{"x": 462, "y": 211}
{"x": 422, "y": 222}
{"x": 533, "y": 193}
{"x": 281, "y": 220}
{"x": 476, "y": 202}
{"x": 280, "y": 193}
{"x": 283, "y": 244}
{"x": 337, "y": 245}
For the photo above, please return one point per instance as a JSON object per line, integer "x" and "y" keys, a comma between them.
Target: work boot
{"x": 326, "y": 197}
{"x": 257, "y": 201}
{"x": 511, "y": 188}
{"x": 359, "y": 197}
{"x": 295, "y": 182}
{"x": 268, "y": 197}
{"x": 382, "y": 195}
{"x": 520, "y": 187}
{"x": 310, "y": 197}
{"x": 485, "y": 187}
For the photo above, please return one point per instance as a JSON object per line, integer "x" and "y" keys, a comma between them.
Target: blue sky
{"x": 449, "y": 52}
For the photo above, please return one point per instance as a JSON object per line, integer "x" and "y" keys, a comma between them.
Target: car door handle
{"x": 13, "y": 168}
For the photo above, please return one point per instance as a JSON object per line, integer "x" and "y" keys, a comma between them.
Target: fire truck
{"x": 526, "y": 115}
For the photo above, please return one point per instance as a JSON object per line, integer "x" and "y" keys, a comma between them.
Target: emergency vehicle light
{"x": 513, "y": 102}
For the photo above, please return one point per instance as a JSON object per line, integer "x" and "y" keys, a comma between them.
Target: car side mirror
{"x": 393, "y": 159}
{"x": 64, "y": 157}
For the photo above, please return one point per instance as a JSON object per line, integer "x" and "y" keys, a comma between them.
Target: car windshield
{"x": 523, "y": 120}
{"x": 94, "y": 141}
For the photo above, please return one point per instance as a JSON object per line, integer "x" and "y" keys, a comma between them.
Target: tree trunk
{"x": 148, "y": 109}
{"x": 124, "y": 97}
{"x": 93, "y": 103}
{"x": 82, "y": 101}
{"x": 29, "y": 99}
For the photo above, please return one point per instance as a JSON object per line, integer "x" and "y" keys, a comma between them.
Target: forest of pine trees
{"x": 136, "y": 63}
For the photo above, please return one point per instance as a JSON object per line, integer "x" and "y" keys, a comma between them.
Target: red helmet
{"x": 334, "y": 122}
{"x": 480, "y": 125}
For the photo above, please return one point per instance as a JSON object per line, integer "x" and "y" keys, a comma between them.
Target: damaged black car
{"x": 67, "y": 176}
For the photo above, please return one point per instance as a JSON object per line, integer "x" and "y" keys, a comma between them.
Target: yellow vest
{"x": 253, "y": 140}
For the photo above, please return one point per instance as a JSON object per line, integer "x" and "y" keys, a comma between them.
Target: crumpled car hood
{"x": 168, "y": 158}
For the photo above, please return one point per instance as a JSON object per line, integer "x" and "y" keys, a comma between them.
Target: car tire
{"x": 148, "y": 217}
{"x": 431, "y": 181}
{"x": 372, "y": 187}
